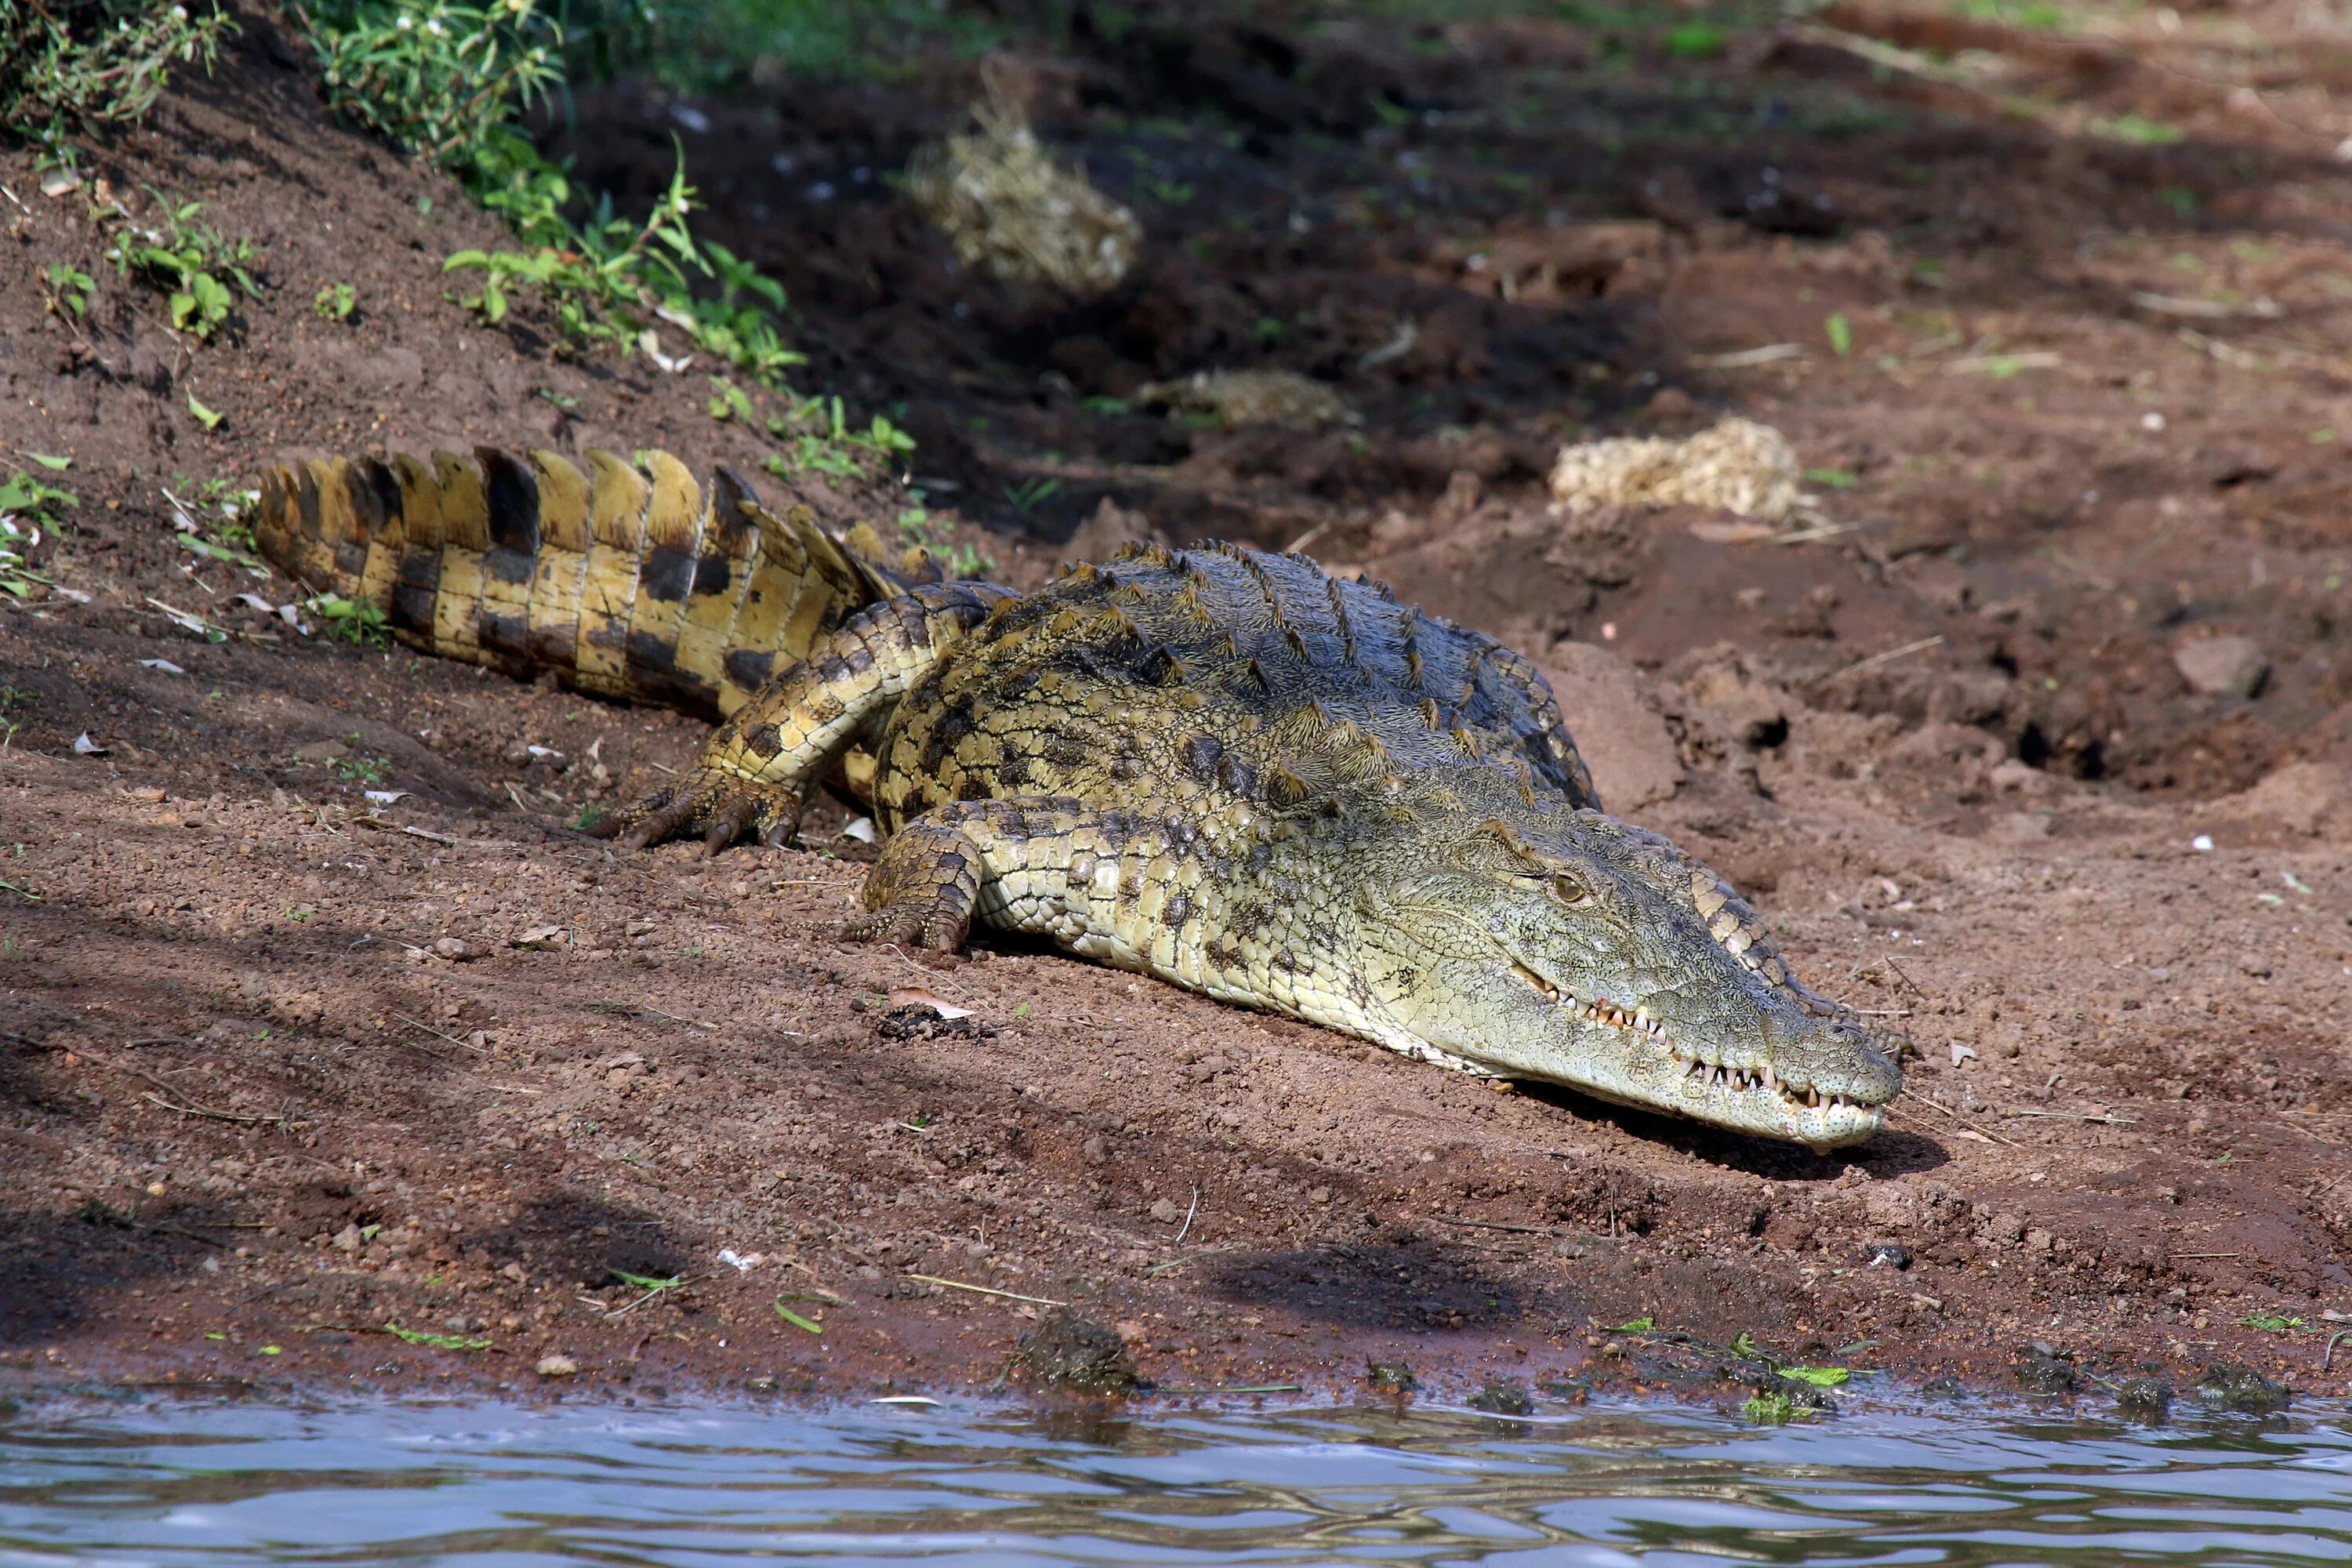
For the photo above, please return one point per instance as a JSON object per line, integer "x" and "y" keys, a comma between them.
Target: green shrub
{"x": 192, "y": 263}
{"x": 439, "y": 78}
{"x": 446, "y": 80}
{"x": 73, "y": 66}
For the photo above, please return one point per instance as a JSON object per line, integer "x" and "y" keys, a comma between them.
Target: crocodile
{"x": 1220, "y": 766}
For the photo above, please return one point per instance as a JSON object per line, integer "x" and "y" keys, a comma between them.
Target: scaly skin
{"x": 626, "y": 583}
{"x": 1221, "y": 767}
{"x": 1279, "y": 789}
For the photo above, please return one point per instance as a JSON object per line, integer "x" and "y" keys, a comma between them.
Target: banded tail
{"x": 630, "y": 584}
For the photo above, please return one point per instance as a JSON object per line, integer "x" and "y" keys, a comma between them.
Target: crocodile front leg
{"x": 932, "y": 876}
{"x": 760, "y": 765}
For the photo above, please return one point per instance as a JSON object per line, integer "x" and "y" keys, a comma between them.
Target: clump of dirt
{"x": 329, "y": 1052}
{"x": 1069, "y": 1350}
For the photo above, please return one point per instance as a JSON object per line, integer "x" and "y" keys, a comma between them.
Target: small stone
{"x": 323, "y": 751}
{"x": 1070, "y": 1350}
{"x": 2043, "y": 1370}
{"x": 1319, "y": 1194}
{"x": 1096, "y": 1149}
{"x": 1391, "y": 1376}
{"x": 459, "y": 949}
{"x": 2241, "y": 1390}
{"x": 1503, "y": 1397}
{"x": 2145, "y": 1398}
{"x": 1165, "y": 1212}
{"x": 1885, "y": 1255}
{"x": 558, "y": 1366}
{"x": 2230, "y": 666}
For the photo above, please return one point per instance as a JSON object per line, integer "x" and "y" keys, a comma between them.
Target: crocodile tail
{"x": 628, "y": 580}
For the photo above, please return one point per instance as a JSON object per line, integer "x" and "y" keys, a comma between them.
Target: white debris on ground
{"x": 1739, "y": 466}
{"x": 1015, "y": 215}
{"x": 1239, "y": 397}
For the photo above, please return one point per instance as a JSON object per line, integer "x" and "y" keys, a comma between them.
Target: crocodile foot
{"x": 720, "y": 808}
{"x": 925, "y": 927}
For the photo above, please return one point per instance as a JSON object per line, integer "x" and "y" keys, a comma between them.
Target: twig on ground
{"x": 1889, "y": 657}
{"x": 229, "y": 1116}
{"x": 429, "y": 1029}
{"x": 1189, "y": 1214}
{"x": 1963, "y": 1121}
{"x": 2104, "y": 1117}
{"x": 984, "y": 1289}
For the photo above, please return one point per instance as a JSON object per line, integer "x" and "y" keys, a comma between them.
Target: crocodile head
{"x": 1549, "y": 941}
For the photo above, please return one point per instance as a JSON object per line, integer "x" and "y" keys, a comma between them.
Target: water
{"x": 489, "y": 1485}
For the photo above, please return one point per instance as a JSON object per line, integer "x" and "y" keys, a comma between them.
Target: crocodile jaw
{"x": 1534, "y": 940}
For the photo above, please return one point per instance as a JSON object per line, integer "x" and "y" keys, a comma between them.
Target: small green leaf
{"x": 794, "y": 1318}
{"x": 1819, "y": 1376}
{"x": 55, "y": 465}
{"x": 1831, "y": 479}
{"x": 273, "y": 1350}
{"x": 436, "y": 1342}
{"x": 648, "y": 1282}
{"x": 1638, "y": 1326}
{"x": 1841, "y": 334}
{"x": 205, "y": 416}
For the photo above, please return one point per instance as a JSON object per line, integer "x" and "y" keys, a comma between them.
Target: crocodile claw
{"x": 718, "y": 807}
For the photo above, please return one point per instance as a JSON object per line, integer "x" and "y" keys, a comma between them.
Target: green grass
{"x": 199, "y": 269}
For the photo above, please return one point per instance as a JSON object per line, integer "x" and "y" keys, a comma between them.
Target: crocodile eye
{"x": 1567, "y": 891}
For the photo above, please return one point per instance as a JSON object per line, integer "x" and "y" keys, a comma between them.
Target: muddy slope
{"x": 279, "y": 1075}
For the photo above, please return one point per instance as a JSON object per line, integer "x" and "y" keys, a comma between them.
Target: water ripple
{"x": 476, "y": 1485}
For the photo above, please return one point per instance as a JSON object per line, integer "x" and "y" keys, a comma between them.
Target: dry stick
{"x": 1983, "y": 1132}
{"x": 431, "y": 1030}
{"x": 2338, "y": 1338}
{"x": 1188, "y": 1218}
{"x": 1874, "y": 660}
{"x": 2204, "y": 1255}
{"x": 159, "y": 1102}
{"x": 984, "y": 1289}
{"x": 1499, "y": 1225}
{"x": 2104, "y": 1119}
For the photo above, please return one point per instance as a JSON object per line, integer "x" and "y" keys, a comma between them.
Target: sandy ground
{"x": 298, "y": 1090}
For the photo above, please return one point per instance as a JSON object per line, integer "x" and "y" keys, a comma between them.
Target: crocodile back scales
{"x": 627, "y": 581}
{"x": 1214, "y": 642}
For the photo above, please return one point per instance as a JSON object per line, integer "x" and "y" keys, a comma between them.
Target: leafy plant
{"x": 1026, "y": 495}
{"x": 27, "y": 505}
{"x": 817, "y": 437}
{"x": 446, "y": 80}
{"x": 336, "y": 302}
{"x": 435, "y": 77}
{"x": 360, "y": 621}
{"x": 729, "y": 401}
{"x": 936, "y": 535}
{"x": 68, "y": 290}
{"x": 188, "y": 261}
{"x": 73, "y": 66}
